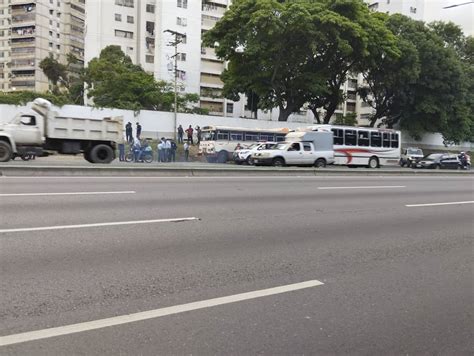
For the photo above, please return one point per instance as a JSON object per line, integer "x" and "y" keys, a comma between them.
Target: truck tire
{"x": 6, "y": 151}
{"x": 278, "y": 162}
{"x": 87, "y": 156}
{"x": 320, "y": 163}
{"x": 222, "y": 157}
{"x": 101, "y": 154}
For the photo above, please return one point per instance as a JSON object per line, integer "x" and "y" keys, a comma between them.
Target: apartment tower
{"x": 33, "y": 30}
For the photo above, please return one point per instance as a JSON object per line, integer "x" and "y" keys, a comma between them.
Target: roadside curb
{"x": 205, "y": 172}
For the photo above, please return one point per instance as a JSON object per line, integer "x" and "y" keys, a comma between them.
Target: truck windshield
{"x": 415, "y": 152}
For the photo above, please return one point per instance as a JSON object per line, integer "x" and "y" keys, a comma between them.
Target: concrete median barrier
{"x": 28, "y": 170}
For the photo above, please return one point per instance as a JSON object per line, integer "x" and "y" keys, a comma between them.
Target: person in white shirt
{"x": 186, "y": 151}
{"x": 168, "y": 151}
{"x": 160, "y": 151}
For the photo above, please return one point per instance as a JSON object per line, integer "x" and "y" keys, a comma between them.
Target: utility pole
{"x": 177, "y": 40}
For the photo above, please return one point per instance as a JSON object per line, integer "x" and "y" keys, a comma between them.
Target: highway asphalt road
{"x": 328, "y": 265}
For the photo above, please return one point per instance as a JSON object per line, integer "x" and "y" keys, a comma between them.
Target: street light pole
{"x": 177, "y": 40}
{"x": 457, "y": 5}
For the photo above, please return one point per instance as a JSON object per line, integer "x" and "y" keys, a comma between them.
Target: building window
{"x": 149, "y": 59}
{"x": 183, "y": 39}
{"x": 413, "y": 10}
{"x": 118, "y": 17}
{"x": 130, "y": 19}
{"x": 181, "y": 74}
{"x": 183, "y": 4}
{"x": 230, "y": 108}
{"x": 181, "y": 21}
{"x": 124, "y": 34}
{"x": 181, "y": 57}
{"x": 126, "y": 3}
{"x": 150, "y": 8}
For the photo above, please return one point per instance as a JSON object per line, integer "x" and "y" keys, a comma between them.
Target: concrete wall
{"x": 156, "y": 124}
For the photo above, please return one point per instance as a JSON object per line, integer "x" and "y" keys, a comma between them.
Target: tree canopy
{"x": 289, "y": 54}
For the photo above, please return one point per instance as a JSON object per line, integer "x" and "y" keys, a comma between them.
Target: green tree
{"x": 293, "y": 52}
{"x": 426, "y": 88}
{"x": 67, "y": 79}
{"x": 114, "y": 81}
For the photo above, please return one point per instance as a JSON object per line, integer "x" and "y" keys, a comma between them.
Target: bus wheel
{"x": 320, "y": 163}
{"x": 373, "y": 162}
{"x": 222, "y": 157}
{"x": 278, "y": 162}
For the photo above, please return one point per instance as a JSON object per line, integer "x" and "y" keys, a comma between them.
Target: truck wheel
{"x": 222, "y": 157}
{"x": 101, "y": 154}
{"x": 320, "y": 163}
{"x": 278, "y": 162}
{"x": 6, "y": 152}
{"x": 373, "y": 162}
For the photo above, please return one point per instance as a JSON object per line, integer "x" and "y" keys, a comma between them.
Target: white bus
{"x": 219, "y": 142}
{"x": 364, "y": 146}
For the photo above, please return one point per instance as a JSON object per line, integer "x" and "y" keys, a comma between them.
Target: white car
{"x": 244, "y": 155}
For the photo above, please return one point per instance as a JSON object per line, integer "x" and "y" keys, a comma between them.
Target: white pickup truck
{"x": 299, "y": 149}
{"x": 40, "y": 128}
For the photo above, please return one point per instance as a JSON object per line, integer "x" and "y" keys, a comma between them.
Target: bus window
{"x": 386, "y": 139}
{"x": 223, "y": 135}
{"x": 363, "y": 138}
{"x": 395, "y": 140}
{"x": 267, "y": 137}
{"x": 376, "y": 139}
{"x": 280, "y": 138}
{"x": 350, "y": 137}
{"x": 338, "y": 136}
{"x": 251, "y": 136}
{"x": 236, "y": 136}
{"x": 208, "y": 135}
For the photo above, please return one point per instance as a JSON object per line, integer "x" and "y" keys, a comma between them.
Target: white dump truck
{"x": 41, "y": 129}
{"x": 314, "y": 148}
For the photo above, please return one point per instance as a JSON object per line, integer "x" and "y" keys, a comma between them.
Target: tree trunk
{"x": 316, "y": 114}
{"x": 330, "y": 111}
{"x": 284, "y": 113}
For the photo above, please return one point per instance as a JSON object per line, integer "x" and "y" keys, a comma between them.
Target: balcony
{"x": 23, "y": 52}
{"x": 26, "y": 63}
{"x": 23, "y": 2}
{"x": 23, "y": 32}
{"x": 23, "y": 19}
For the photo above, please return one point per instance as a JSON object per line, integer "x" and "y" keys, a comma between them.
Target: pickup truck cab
{"x": 299, "y": 149}
{"x": 410, "y": 156}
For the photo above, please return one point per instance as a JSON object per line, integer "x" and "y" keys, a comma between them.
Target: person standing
{"x": 160, "y": 152}
{"x": 190, "y": 131}
{"x": 137, "y": 148}
{"x": 174, "y": 147}
{"x": 186, "y": 151}
{"x": 121, "y": 147}
{"x": 128, "y": 132}
{"x": 198, "y": 134}
{"x": 180, "y": 134}
{"x": 168, "y": 150}
{"x": 139, "y": 130}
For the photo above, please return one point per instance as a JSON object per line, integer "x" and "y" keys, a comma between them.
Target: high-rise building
{"x": 460, "y": 12}
{"x": 33, "y": 30}
{"x": 146, "y": 31}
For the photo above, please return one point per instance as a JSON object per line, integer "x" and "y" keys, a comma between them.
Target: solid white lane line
{"x": 440, "y": 204}
{"x": 325, "y": 177}
{"x": 365, "y": 187}
{"x": 65, "y": 193}
{"x": 151, "y": 314}
{"x": 60, "y": 227}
